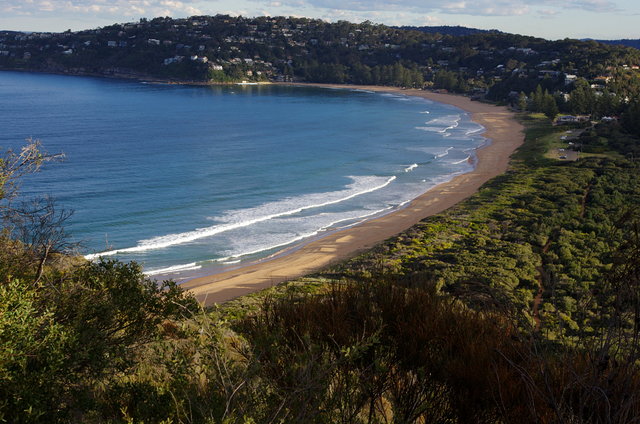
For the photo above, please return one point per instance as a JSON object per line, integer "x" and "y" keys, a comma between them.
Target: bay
{"x": 187, "y": 180}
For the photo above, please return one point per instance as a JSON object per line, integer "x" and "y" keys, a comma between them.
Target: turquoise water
{"x": 187, "y": 180}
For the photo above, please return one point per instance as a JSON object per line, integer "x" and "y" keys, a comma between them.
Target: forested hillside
{"x": 624, "y": 42}
{"x": 577, "y": 77}
{"x": 449, "y": 30}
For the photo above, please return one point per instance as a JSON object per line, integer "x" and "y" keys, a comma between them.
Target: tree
{"x": 38, "y": 225}
{"x": 60, "y": 341}
{"x": 631, "y": 118}
{"x": 582, "y": 98}
{"x": 522, "y": 101}
{"x": 549, "y": 106}
{"x": 13, "y": 166}
{"x": 445, "y": 79}
{"x": 537, "y": 102}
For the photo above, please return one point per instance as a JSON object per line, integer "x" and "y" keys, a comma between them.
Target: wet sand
{"x": 505, "y": 133}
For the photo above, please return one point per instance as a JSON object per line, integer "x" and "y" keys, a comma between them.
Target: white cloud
{"x": 235, "y": 12}
{"x": 102, "y": 7}
{"x": 475, "y": 8}
{"x": 547, "y": 13}
{"x": 429, "y": 21}
{"x": 592, "y": 5}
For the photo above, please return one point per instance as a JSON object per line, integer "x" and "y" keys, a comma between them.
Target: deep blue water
{"x": 183, "y": 178}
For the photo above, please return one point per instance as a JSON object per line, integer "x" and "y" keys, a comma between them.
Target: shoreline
{"x": 134, "y": 77}
{"x": 505, "y": 135}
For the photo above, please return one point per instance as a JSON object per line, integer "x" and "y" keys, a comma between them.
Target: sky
{"x": 550, "y": 19}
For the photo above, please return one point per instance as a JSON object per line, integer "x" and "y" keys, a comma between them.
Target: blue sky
{"x": 551, "y": 19}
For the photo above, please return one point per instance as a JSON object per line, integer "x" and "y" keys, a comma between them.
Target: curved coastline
{"x": 501, "y": 129}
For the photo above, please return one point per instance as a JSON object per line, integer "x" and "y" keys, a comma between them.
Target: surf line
{"x": 182, "y": 238}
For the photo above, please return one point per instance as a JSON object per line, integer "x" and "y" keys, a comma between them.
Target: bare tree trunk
{"x": 43, "y": 260}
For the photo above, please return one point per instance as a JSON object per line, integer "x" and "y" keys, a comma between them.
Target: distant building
{"x": 566, "y": 119}
{"x": 569, "y": 79}
{"x": 175, "y": 59}
{"x": 548, "y": 73}
{"x": 201, "y": 59}
{"x": 570, "y": 119}
{"x": 603, "y": 79}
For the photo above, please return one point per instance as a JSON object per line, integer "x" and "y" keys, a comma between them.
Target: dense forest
{"x": 577, "y": 77}
{"x": 449, "y": 30}
{"x": 518, "y": 305}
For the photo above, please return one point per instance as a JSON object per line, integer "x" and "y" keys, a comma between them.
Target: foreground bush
{"x": 61, "y": 338}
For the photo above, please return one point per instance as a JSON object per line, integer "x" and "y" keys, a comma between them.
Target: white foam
{"x": 475, "y": 130}
{"x": 442, "y": 124}
{"x": 443, "y": 154}
{"x": 269, "y": 247}
{"x": 433, "y": 129}
{"x": 425, "y": 112}
{"x": 175, "y": 268}
{"x": 447, "y": 120}
{"x": 411, "y": 167}
{"x": 461, "y": 161}
{"x": 244, "y": 218}
{"x": 437, "y": 152}
{"x": 399, "y": 97}
{"x": 299, "y": 237}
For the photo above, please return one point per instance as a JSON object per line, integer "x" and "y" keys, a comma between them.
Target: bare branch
{"x": 13, "y": 166}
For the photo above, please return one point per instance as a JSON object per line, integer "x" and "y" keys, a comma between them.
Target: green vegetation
{"x": 67, "y": 327}
{"x": 519, "y": 305}
{"x": 552, "y": 225}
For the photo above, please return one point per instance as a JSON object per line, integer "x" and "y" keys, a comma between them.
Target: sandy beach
{"x": 505, "y": 133}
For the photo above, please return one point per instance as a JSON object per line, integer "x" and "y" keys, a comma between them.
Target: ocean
{"x": 190, "y": 180}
